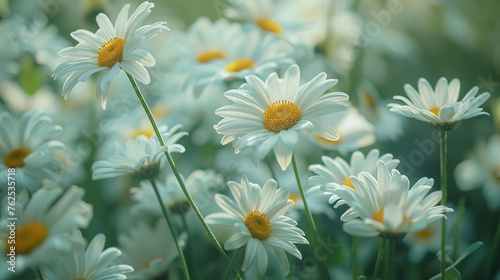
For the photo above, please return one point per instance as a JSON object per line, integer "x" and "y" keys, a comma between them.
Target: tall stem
{"x": 324, "y": 268}
{"x": 379, "y": 259}
{"x": 171, "y": 227}
{"x": 353, "y": 258}
{"x": 443, "y": 152}
{"x": 233, "y": 260}
{"x": 176, "y": 173}
{"x": 491, "y": 254}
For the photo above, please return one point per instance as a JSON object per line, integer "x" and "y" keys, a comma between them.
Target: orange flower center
{"x": 435, "y": 111}
{"x": 294, "y": 197}
{"x": 258, "y": 224}
{"x": 425, "y": 233}
{"x": 269, "y": 24}
{"x": 28, "y": 237}
{"x": 347, "y": 182}
{"x": 209, "y": 56}
{"x": 15, "y": 158}
{"x": 239, "y": 65}
{"x": 111, "y": 52}
{"x": 281, "y": 115}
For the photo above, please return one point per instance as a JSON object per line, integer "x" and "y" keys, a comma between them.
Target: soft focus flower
{"x": 43, "y": 227}
{"x": 257, "y": 214}
{"x": 354, "y": 131}
{"x": 111, "y": 48}
{"x": 91, "y": 263}
{"x": 268, "y": 115}
{"x": 141, "y": 157}
{"x": 28, "y": 145}
{"x": 385, "y": 205}
{"x": 440, "y": 107}
{"x": 336, "y": 173}
{"x": 482, "y": 170}
{"x": 148, "y": 250}
{"x": 423, "y": 241}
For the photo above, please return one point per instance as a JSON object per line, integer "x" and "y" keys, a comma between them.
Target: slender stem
{"x": 171, "y": 227}
{"x": 492, "y": 252}
{"x": 353, "y": 258}
{"x": 389, "y": 260}
{"x": 233, "y": 260}
{"x": 176, "y": 173}
{"x": 442, "y": 140}
{"x": 324, "y": 268}
{"x": 379, "y": 258}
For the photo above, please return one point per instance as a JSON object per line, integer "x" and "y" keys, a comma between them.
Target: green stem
{"x": 389, "y": 260}
{"x": 323, "y": 266}
{"x": 171, "y": 227}
{"x": 353, "y": 258}
{"x": 176, "y": 173}
{"x": 491, "y": 253}
{"x": 379, "y": 258}
{"x": 442, "y": 140}
{"x": 233, "y": 260}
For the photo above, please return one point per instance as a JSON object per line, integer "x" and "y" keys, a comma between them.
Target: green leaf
{"x": 451, "y": 271}
{"x": 29, "y": 77}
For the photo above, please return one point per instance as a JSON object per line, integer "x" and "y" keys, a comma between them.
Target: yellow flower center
{"x": 258, "y": 224}
{"x": 281, "y": 115}
{"x": 146, "y": 132}
{"x": 28, "y": 237}
{"x": 425, "y": 233}
{"x": 435, "y": 111}
{"x": 15, "y": 158}
{"x": 111, "y": 52}
{"x": 369, "y": 100}
{"x": 327, "y": 141}
{"x": 210, "y": 55}
{"x": 294, "y": 197}
{"x": 269, "y": 24}
{"x": 239, "y": 64}
{"x": 379, "y": 216}
{"x": 347, "y": 182}
{"x": 495, "y": 171}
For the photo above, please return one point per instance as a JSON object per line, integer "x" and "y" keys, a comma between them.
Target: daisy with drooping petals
{"x": 257, "y": 214}
{"x": 111, "y": 48}
{"x": 141, "y": 157}
{"x": 28, "y": 144}
{"x": 91, "y": 264}
{"x": 385, "y": 205}
{"x": 440, "y": 107}
{"x": 268, "y": 115}
{"x": 44, "y": 226}
{"x": 336, "y": 173}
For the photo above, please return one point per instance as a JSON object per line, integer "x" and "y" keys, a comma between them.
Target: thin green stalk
{"x": 324, "y": 268}
{"x": 171, "y": 227}
{"x": 353, "y": 258}
{"x": 442, "y": 140}
{"x": 233, "y": 260}
{"x": 176, "y": 173}
{"x": 491, "y": 254}
{"x": 379, "y": 258}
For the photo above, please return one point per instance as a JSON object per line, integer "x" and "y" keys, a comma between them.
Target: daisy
{"x": 43, "y": 227}
{"x": 257, "y": 215}
{"x": 149, "y": 250}
{"x": 268, "y": 115}
{"x": 336, "y": 173}
{"x": 141, "y": 157}
{"x": 91, "y": 264}
{"x": 423, "y": 241}
{"x": 482, "y": 170}
{"x": 385, "y": 205}
{"x": 111, "y": 48}
{"x": 354, "y": 131}
{"x": 28, "y": 144}
{"x": 198, "y": 182}
{"x": 440, "y": 107}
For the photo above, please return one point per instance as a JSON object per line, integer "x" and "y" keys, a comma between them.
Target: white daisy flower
{"x": 423, "y": 241}
{"x": 43, "y": 227}
{"x": 268, "y": 115}
{"x": 141, "y": 157}
{"x": 111, "y": 48}
{"x": 335, "y": 173}
{"x": 28, "y": 145}
{"x": 440, "y": 107}
{"x": 172, "y": 195}
{"x": 387, "y": 206}
{"x": 354, "y": 131}
{"x": 91, "y": 264}
{"x": 148, "y": 250}
{"x": 257, "y": 215}
{"x": 482, "y": 170}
